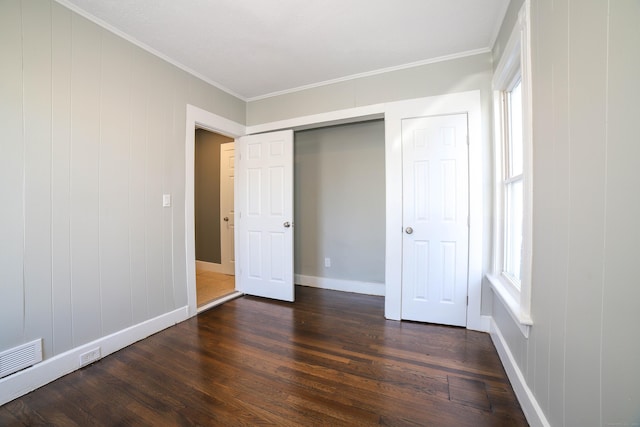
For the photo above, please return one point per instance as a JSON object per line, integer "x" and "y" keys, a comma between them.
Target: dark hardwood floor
{"x": 328, "y": 359}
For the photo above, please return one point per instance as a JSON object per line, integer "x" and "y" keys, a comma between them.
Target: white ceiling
{"x": 253, "y": 48}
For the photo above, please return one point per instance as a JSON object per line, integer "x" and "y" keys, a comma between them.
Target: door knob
{"x": 286, "y": 224}
{"x": 226, "y": 218}
{"x": 409, "y": 230}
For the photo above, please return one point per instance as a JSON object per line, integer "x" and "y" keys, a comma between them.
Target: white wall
{"x": 581, "y": 360}
{"x": 340, "y": 202}
{"x": 91, "y": 135}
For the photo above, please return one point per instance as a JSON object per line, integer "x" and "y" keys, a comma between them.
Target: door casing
{"x": 393, "y": 113}
{"x": 197, "y": 118}
{"x": 463, "y": 102}
{"x": 227, "y": 210}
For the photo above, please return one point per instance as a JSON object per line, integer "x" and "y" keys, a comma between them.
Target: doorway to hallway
{"x": 214, "y": 216}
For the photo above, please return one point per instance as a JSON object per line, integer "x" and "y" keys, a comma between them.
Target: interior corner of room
{"x": 96, "y": 131}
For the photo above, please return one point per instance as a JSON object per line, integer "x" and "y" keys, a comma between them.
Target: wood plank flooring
{"x": 211, "y": 286}
{"x": 328, "y": 359}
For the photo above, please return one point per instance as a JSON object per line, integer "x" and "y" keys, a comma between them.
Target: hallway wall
{"x": 207, "y": 195}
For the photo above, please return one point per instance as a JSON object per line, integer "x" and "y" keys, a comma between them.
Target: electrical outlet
{"x": 327, "y": 262}
{"x": 90, "y": 357}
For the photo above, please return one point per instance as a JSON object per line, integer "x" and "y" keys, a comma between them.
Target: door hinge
{"x": 467, "y": 299}
{"x": 467, "y": 139}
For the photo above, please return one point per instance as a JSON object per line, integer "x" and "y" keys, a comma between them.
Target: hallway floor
{"x": 210, "y": 286}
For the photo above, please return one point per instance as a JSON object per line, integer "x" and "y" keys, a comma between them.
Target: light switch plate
{"x": 166, "y": 200}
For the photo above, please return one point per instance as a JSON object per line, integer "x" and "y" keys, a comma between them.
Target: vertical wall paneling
{"x": 177, "y": 179}
{"x": 587, "y": 106}
{"x": 36, "y": 25}
{"x": 557, "y": 53}
{"x": 137, "y": 191}
{"x": 85, "y": 167}
{"x": 544, "y": 236}
{"x": 92, "y": 134}
{"x": 156, "y": 106}
{"x": 580, "y": 361}
{"x": 167, "y": 166}
{"x": 620, "y": 348}
{"x": 60, "y": 177}
{"x": 11, "y": 175}
{"x": 115, "y": 130}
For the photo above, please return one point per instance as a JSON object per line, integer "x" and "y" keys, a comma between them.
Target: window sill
{"x": 511, "y": 301}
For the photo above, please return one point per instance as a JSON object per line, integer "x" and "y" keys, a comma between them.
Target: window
{"x": 511, "y": 276}
{"x": 512, "y": 181}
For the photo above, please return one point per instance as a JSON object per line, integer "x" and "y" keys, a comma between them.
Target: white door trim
{"x": 468, "y": 102}
{"x": 464, "y": 102}
{"x": 227, "y": 209}
{"x": 198, "y": 118}
{"x": 331, "y": 118}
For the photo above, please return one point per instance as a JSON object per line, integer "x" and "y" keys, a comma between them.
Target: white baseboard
{"x": 211, "y": 266}
{"x": 482, "y": 323}
{"x": 368, "y": 288}
{"x": 532, "y": 410}
{"x": 29, "y": 379}
{"x": 219, "y": 301}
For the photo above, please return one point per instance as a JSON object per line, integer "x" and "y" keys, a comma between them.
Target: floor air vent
{"x": 20, "y": 357}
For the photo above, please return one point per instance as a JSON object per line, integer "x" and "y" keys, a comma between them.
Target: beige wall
{"x": 92, "y": 134}
{"x": 339, "y": 202}
{"x": 581, "y": 360}
{"x": 457, "y": 75}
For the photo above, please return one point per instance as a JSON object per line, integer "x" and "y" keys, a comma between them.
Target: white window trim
{"x": 515, "y": 62}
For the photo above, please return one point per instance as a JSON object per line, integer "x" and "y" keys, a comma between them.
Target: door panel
{"x": 435, "y": 215}
{"x": 227, "y": 213}
{"x": 265, "y": 217}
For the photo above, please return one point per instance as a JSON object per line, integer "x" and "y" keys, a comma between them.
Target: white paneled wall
{"x": 12, "y": 153}
{"x": 581, "y": 359}
{"x": 92, "y": 134}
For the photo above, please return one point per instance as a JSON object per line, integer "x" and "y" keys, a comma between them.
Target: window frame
{"x": 514, "y": 66}
{"x": 509, "y": 179}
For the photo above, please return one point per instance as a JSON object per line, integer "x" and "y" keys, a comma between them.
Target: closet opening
{"x": 339, "y": 207}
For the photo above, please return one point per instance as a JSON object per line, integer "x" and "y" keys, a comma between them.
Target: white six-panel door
{"x": 265, "y": 215}
{"x": 435, "y": 219}
{"x": 227, "y": 212}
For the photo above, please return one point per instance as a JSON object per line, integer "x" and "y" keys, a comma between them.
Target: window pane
{"x": 513, "y": 229}
{"x": 515, "y": 130}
